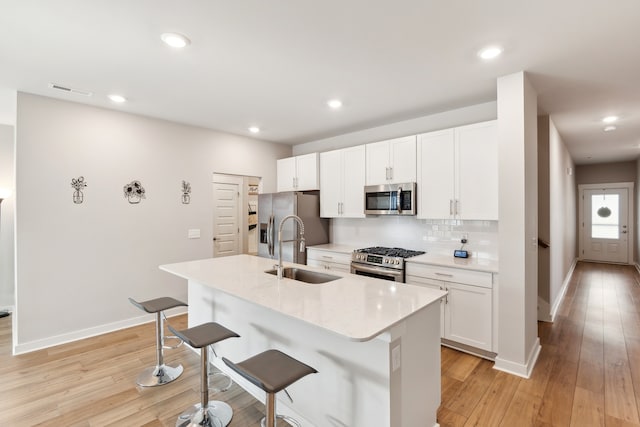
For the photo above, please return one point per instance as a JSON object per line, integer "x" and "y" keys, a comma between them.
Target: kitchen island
{"x": 376, "y": 344}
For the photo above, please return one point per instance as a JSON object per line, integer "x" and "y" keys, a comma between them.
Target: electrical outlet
{"x": 193, "y": 233}
{"x": 395, "y": 358}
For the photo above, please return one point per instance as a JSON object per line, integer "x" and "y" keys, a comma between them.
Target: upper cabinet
{"x": 298, "y": 173}
{"x": 342, "y": 177}
{"x": 458, "y": 173}
{"x": 392, "y": 161}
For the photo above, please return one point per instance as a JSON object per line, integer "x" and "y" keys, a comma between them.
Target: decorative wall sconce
{"x": 78, "y": 184}
{"x": 134, "y": 192}
{"x": 186, "y": 193}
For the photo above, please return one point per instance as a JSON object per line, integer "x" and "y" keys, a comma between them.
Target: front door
{"x": 605, "y": 231}
{"x": 226, "y": 229}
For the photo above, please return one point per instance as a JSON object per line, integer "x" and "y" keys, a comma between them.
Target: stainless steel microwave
{"x": 390, "y": 199}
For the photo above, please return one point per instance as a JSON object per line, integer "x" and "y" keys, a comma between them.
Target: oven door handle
{"x": 372, "y": 269}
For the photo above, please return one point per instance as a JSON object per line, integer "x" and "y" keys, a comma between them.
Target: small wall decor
{"x": 186, "y": 192}
{"x": 134, "y": 192}
{"x": 78, "y": 184}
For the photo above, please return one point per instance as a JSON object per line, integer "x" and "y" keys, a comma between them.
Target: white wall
{"x": 562, "y": 198}
{"x": 78, "y": 263}
{"x": 558, "y": 217}
{"x": 7, "y": 208}
{"x": 518, "y": 346}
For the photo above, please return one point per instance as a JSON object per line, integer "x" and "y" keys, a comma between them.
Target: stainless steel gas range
{"x": 381, "y": 262}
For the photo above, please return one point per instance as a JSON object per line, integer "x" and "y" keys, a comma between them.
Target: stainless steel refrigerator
{"x": 272, "y": 208}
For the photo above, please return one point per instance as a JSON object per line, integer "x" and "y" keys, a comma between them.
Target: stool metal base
{"x": 281, "y": 421}
{"x": 219, "y": 414}
{"x": 158, "y": 375}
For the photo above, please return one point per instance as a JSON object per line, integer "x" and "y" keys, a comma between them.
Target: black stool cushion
{"x": 158, "y": 304}
{"x": 204, "y": 335}
{"x": 271, "y": 370}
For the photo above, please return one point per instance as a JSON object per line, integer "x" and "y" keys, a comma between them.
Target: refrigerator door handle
{"x": 270, "y": 235}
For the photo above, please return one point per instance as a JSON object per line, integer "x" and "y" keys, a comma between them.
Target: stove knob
{"x": 397, "y": 262}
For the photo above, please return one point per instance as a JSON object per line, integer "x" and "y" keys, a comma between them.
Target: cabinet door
{"x": 468, "y": 315}
{"x": 331, "y": 183}
{"x": 477, "y": 156}
{"x": 403, "y": 159}
{"x": 436, "y": 164}
{"x": 433, "y": 284}
{"x": 377, "y": 163}
{"x": 307, "y": 172}
{"x": 286, "y": 173}
{"x": 353, "y": 179}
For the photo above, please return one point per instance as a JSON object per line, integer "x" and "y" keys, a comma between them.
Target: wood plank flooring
{"x": 588, "y": 373}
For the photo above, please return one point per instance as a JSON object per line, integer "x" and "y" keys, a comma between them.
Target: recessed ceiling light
{"x": 490, "y": 52}
{"x": 175, "y": 40}
{"x": 117, "y": 98}
{"x": 334, "y": 103}
{"x": 254, "y": 129}
{"x": 610, "y": 119}
{"x": 609, "y": 128}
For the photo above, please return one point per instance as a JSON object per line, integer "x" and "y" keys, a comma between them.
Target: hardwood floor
{"x": 588, "y": 373}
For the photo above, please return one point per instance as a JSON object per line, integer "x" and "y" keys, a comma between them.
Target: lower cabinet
{"x": 329, "y": 260}
{"x": 467, "y": 310}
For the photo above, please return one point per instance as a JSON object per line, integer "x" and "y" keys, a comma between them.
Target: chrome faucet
{"x": 301, "y": 240}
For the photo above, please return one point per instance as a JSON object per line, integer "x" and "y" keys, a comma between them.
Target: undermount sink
{"x": 306, "y": 276}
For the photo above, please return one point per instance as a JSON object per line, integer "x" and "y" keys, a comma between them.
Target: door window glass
{"x": 605, "y": 218}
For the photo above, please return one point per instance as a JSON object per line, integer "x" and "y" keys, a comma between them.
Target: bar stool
{"x": 272, "y": 371}
{"x": 210, "y": 413}
{"x": 160, "y": 374}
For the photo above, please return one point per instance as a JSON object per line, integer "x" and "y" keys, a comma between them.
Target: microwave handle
{"x": 398, "y": 197}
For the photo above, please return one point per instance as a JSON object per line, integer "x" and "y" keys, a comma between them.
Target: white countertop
{"x": 477, "y": 264}
{"x": 356, "y": 307}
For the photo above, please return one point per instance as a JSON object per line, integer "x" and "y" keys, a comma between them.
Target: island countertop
{"x": 356, "y": 307}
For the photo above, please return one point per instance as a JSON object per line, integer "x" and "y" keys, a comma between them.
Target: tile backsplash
{"x": 433, "y": 236}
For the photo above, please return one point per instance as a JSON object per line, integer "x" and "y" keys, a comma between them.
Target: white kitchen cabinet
{"x": 467, "y": 310}
{"x": 457, "y": 173}
{"x": 299, "y": 173}
{"x": 392, "y": 161}
{"x": 329, "y": 260}
{"x": 342, "y": 177}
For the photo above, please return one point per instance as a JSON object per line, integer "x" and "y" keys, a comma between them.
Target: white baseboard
{"x": 563, "y": 291}
{"x": 544, "y": 311}
{"x": 519, "y": 369}
{"x": 88, "y": 333}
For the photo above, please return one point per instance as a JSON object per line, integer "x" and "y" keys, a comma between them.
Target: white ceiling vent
{"x": 70, "y": 89}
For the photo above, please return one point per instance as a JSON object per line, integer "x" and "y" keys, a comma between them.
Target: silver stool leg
{"x": 271, "y": 419}
{"x": 209, "y": 413}
{"x": 159, "y": 374}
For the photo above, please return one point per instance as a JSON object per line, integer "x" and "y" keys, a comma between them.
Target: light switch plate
{"x": 194, "y": 233}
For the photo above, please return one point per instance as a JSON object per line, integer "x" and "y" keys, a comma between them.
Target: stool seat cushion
{"x": 157, "y": 304}
{"x": 271, "y": 370}
{"x": 203, "y": 335}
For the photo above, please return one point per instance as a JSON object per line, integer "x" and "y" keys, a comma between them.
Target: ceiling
{"x": 275, "y": 63}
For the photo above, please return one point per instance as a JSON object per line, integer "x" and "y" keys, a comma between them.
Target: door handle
{"x": 215, "y": 238}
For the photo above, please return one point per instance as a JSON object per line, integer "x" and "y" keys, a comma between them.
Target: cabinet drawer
{"x": 329, "y": 256}
{"x": 447, "y": 274}
{"x": 424, "y": 281}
